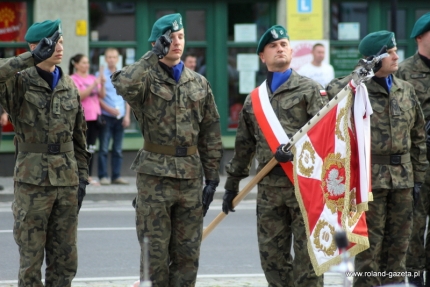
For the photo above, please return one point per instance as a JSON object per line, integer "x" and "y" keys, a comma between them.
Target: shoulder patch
{"x": 323, "y": 93}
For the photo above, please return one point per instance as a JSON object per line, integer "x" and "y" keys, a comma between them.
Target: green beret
{"x": 421, "y": 26}
{"x": 172, "y": 22}
{"x": 40, "y": 30}
{"x": 373, "y": 42}
{"x": 273, "y": 34}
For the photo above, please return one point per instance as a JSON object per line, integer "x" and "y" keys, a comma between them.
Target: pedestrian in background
{"x": 317, "y": 70}
{"x": 398, "y": 162}
{"x": 416, "y": 71}
{"x": 295, "y": 100}
{"x": 91, "y": 90}
{"x": 51, "y": 168}
{"x": 179, "y": 121}
{"x": 3, "y": 122}
{"x": 116, "y": 116}
{"x": 190, "y": 61}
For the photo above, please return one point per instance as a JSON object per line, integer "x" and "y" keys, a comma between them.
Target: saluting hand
{"x": 45, "y": 48}
{"x": 162, "y": 45}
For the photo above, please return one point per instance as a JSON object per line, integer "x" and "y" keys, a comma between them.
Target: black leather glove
{"x": 45, "y": 48}
{"x": 282, "y": 156}
{"x": 227, "y": 201}
{"x": 81, "y": 192}
{"x": 208, "y": 194}
{"x": 162, "y": 45}
{"x": 416, "y": 192}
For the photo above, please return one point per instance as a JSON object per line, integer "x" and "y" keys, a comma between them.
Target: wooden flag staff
{"x": 269, "y": 166}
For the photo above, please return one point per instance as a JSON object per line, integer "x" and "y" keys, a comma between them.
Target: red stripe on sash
{"x": 268, "y": 133}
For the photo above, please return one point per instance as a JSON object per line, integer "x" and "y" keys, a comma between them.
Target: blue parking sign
{"x": 304, "y": 6}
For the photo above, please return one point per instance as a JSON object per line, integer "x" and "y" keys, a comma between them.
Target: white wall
{"x": 69, "y": 11}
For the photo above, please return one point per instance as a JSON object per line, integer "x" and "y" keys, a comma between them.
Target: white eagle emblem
{"x": 274, "y": 34}
{"x": 394, "y": 41}
{"x": 175, "y": 25}
{"x": 334, "y": 183}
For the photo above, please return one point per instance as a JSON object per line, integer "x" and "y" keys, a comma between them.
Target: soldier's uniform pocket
{"x": 69, "y": 104}
{"x": 195, "y": 104}
{"x": 158, "y": 101}
{"x": 408, "y": 108}
{"x": 151, "y": 218}
{"x": 20, "y": 233}
{"x": 69, "y": 109}
{"x": 292, "y": 112}
{"x": 32, "y": 108}
{"x": 380, "y": 117}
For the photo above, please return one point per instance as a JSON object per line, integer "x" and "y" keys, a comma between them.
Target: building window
{"x": 247, "y": 22}
{"x": 112, "y": 21}
{"x": 349, "y": 12}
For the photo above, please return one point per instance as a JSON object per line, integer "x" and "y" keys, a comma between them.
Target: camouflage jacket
{"x": 172, "y": 114}
{"x": 397, "y": 127}
{"x": 415, "y": 71}
{"x": 295, "y": 102}
{"x": 40, "y": 115}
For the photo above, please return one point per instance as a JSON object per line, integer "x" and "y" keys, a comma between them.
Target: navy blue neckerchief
{"x": 51, "y": 78}
{"x": 175, "y": 71}
{"x": 386, "y": 83}
{"x": 276, "y": 79}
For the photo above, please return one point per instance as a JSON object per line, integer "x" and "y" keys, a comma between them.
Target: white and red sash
{"x": 269, "y": 124}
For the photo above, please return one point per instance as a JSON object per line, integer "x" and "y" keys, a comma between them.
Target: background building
{"x": 222, "y": 33}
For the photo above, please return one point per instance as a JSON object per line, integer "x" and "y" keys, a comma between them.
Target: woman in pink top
{"x": 90, "y": 89}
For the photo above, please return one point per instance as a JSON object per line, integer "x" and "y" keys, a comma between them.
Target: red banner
{"x": 13, "y": 21}
{"x": 329, "y": 184}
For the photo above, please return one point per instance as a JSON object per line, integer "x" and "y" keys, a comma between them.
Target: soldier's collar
{"x": 425, "y": 60}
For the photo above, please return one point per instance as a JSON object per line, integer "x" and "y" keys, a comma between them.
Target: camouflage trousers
{"x": 46, "y": 220}
{"x": 418, "y": 256}
{"x": 389, "y": 223}
{"x": 278, "y": 219}
{"x": 169, "y": 212}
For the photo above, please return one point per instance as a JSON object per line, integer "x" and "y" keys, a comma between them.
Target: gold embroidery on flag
{"x": 354, "y": 214}
{"x": 341, "y": 118}
{"x": 306, "y": 156}
{"x": 324, "y": 237}
{"x": 333, "y": 181}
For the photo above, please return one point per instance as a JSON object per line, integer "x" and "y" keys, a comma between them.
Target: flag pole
{"x": 363, "y": 72}
{"x": 241, "y": 195}
{"x": 269, "y": 166}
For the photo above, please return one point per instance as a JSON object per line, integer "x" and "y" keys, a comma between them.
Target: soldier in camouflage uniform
{"x": 295, "y": 99}
{"x": 416, "y": 70}
{"x": 179, "y": 121}
{"x": 398, "y": 162}
{"x": 51, "y": 167}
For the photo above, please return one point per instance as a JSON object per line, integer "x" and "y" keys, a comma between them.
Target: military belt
{"x": 54, "y": 148}
{"x": 393, "y": 159}
{"x": 178, "y": 151}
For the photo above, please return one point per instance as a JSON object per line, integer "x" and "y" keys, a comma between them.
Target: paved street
{"x": 109, "y": 252}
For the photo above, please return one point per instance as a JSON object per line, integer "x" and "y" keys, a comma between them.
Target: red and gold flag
{"x": 332, "y": 178}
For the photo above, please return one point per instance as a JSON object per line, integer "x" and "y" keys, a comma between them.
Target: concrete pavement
{"x": 238, "y": 280}
{"x": 118, "y": 192}
{"x": 128, "y": 192}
